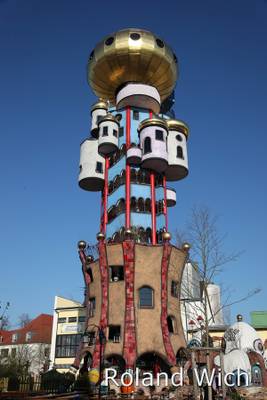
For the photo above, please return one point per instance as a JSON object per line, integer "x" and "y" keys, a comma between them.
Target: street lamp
{"x": 90, "y": 339}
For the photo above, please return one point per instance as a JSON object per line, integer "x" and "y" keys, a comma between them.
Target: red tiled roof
{"x": 40, "y": 327}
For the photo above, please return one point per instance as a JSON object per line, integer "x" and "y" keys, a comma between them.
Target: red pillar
{"x": 153, "y": 201}
{"x": 105, "y": 202}
{"x": 128, "y": 171}
{"x": 165, "y": 202}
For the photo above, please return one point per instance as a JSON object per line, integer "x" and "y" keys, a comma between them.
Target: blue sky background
{"x": 44, "y": 107}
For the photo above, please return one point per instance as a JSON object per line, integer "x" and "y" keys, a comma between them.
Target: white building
{"x": 68, "y": 328}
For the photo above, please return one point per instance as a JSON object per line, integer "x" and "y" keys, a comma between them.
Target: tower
{"x": 135, "y": 147}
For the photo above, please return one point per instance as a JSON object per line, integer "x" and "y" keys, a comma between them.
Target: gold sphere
{"x": 82, "y": 245}
{"x": 239, "y": 317}
{"x": 131, "y": 55}
{"x": 186, "y": 247}
{"x": 128, "y": 232}
{"x": 166, "y": 236}
{"x": 100, "y": 236}
{"x": 89, "y": 259}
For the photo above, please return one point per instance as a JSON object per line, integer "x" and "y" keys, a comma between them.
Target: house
{"x": 30, "y": 345}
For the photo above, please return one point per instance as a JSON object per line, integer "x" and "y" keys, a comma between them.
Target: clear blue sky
{"x": 44, "y": 106}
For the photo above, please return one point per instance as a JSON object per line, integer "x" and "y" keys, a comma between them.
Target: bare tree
{"x": 4, "y": 323}
{"x": 24, "y": 319}
{"x": 4, "y": 319}
{"x": 207, "y": 251}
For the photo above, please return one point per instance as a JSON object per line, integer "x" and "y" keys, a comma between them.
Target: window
{"x": 62, "y": 320}
{"x": 180, "y": 153}
{"x": 72, "y": 319}
{"x": 81, "y": 318}
{"x": 28, "y": 336}
{"x": 136, "y": 115}
{"x": 146, "y": 297}
{"x": 80, "y": 168}
{"x": 13, "y": 352}
{"x": 105, "y": 131}
{"x": 116, "y": 273}
{"x": 121, "y": 131}
{"x": 115, "y": 133}
{"x": 4, "y": 353}
{"x": 90, "y": 273}
{"x": 1, "y": 339}
{"x": 171, "y": 322}
{"x": 179, "y": 138}
{"x": 46, "y": 352}
{"x": 98, "y": 118}
{"x": 91, "y": 306}
{"x": 99, "y": 167}
{"x": 67, "y": 345}
{"x": 15, "y": 337}
{"x": 174, "y": 289}
{"x": 114, "y": 333}
{"x": 147, "y": 145}
{"x": 159, "y": 135}
{"x": 118, "y": 117}
{"x": 91, "y": 338}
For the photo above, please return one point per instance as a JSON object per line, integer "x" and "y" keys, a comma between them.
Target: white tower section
{"x": 92, "y": 166}
{"x": 98, "y": 111}
{"x": 177, "y": 150}
{"x": 108, "y": 140}
{"x": 153, "y": 142}
{"x": 215, "y": 313}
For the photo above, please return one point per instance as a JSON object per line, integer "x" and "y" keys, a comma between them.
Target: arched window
{"x": 147, "y": 145}
{"x": 141, "y": 204}
{"x": 146, "y": 297}
{"x": 148, "y": 205}
{"x": 171, "y": 322}
{"x": 120, "y": 205}
{"x": 133, "y": 175}
{"x": 133, "y": 204}
{"x": 180, "y": 153}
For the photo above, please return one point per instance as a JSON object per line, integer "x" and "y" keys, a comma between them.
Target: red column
{"x": 128, "y": 171}
{"x": 105, "y": 202}
{"x": 153, "y": 201}
{"x": 165, "y": 202}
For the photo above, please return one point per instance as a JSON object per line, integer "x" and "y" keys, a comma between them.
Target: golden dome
{"x": 178, "y": 125}
{"x": 153, "y": 122}
{"x": 131, "y": 55}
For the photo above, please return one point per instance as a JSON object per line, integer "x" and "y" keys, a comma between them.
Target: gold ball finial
{"x": 89, "y": 259}
{"x": 100, "y": 236}
{"x": 239, "y": 318}
{"x": 128, "y": 232}
{"x": 166, "y": 236}
{"x": 186, "y": 247}
{"x": 82, "y": 245}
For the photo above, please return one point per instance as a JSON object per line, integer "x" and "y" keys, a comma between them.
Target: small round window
{"x": 160, "y": 43}
{"x": 179, "y": 138}
{"x": 135, "y": 36}
{"x": 109, "y": 41}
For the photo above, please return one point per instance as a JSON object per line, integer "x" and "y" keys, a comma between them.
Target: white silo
{"x": 98, "y": 111}
{"x": 108, "y": 134}
{"x": 153, "y": 142}
{"x": 177, "y": 150}
{"x": 92, "y": 166}
{"x": 139, "y": 95}
{"x": 215, "y": 313}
